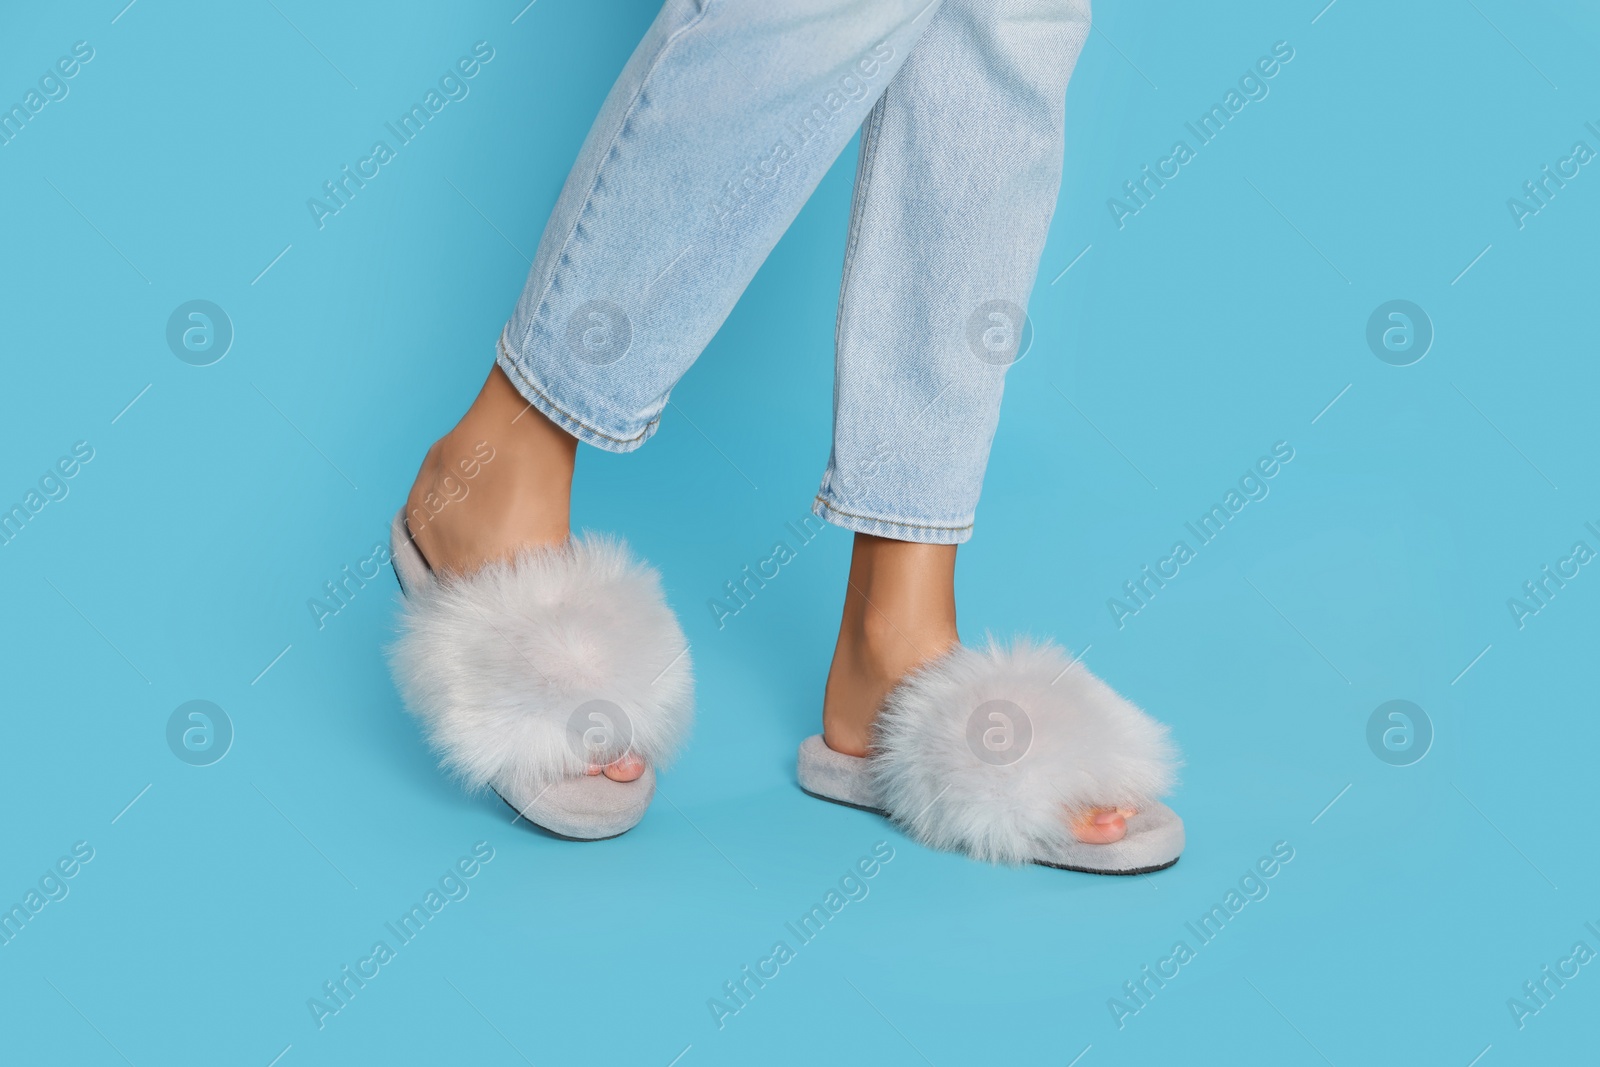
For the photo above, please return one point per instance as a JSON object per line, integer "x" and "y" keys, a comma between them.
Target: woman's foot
{"x": 900, "y": 613}
{"x": 499, "y": 482}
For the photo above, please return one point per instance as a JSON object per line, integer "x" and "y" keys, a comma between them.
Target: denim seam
{"x": 563, "y": 412}
{"x": 869, "y": 154}
{"x": 889, "y": 522}
{"x": 605, "y": 157}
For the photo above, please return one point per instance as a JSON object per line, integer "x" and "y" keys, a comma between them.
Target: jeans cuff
{"x": 538, "y": 395}
{"x": 894, "y": 529}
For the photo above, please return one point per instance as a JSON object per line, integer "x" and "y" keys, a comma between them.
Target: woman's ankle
{"x": 500, "y": 481}
{"x": 899, "y": 614}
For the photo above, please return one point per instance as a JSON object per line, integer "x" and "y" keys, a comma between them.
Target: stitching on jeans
{"x": 627, "y": 113}
{"x": 869, "y": 155}
{"x": 864, "y": 168}
{"x": 563, "y": 412}
{"x": 888, "y": 522}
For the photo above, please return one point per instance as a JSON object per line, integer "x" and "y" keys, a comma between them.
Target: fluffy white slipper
{"x": 526, "y": 673}
{"x": 980, "y": 752}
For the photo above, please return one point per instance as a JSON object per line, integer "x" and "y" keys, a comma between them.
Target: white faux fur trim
{"x": 497, "y": 663}
{"x": 959, "y": 772}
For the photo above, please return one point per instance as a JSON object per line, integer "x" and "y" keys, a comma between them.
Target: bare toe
{"x": 626, "y": 769}
{"x": 1100, "y": 826}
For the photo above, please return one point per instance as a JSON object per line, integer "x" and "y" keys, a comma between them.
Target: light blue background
{"x": 1223, "y": 318}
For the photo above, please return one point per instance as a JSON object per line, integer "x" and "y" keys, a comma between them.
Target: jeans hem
{"x": 895, "y": 530}
{"x": 539, "y": 397}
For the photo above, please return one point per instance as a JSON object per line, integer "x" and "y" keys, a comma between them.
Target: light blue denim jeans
{"x": 718, "y": 130}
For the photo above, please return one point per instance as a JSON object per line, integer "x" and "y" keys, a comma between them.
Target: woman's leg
{"x": 717, "y": 131}
{"x": 715, "y": 134}
{"x": 960, "y": 166}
